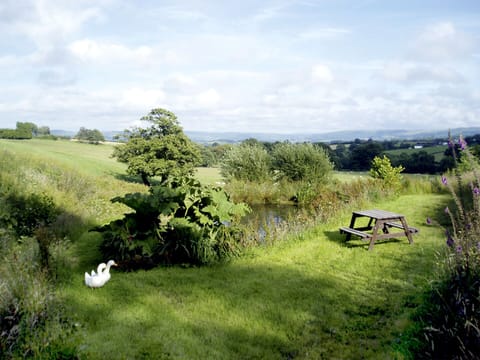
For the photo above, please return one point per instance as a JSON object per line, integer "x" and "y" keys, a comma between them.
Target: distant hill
{"x": 379, "y": 135}
{"x": 66, "y": 133}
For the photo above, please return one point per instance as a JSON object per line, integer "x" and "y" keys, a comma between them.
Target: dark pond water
{"x": 267, "y": 218}
{"x": 270, "y": 214}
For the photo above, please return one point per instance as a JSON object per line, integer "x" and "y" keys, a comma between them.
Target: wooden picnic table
{"x": 379, "y": 222}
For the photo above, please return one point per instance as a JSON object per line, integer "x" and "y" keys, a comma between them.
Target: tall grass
{"x": 451, "y": 314}
{"x": 32, "y": 321}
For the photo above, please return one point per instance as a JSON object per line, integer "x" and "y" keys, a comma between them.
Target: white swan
{"x": 100, "y": 268}
{"x": 96, "y": 280}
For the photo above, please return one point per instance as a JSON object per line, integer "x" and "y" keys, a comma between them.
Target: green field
{"x": 310, "y": 296}
{"x": 90, "y": 159}
{"x": 437, "y": 151}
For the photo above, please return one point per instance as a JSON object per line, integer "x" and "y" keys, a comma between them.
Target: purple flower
{"x": 476, "y": 191}
{"x": 444, "y": 180}
{"x": 450, "y": 240}
{"x": 462, "y": 143}
{"x": 429, "y": 221}
{"x": 459, "y": 249}
{"x": 451, "y": 144}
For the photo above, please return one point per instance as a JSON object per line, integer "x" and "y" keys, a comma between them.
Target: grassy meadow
{"x": 310, "y": 296}
{"x": 437, "y": 151}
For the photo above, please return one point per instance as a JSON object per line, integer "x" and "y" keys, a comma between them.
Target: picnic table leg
{"x": 407, "y": 231}
{"x": 374, "y": 234}
{"x": 352, "y": 224}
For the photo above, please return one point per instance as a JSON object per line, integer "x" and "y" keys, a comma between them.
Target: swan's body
{"x": 96, "y": 280}
{"x": 99, "y": 269}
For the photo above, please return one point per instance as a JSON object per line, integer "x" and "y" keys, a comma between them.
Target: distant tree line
{"x": 29, "y": 130}
{"x": 358, "y": 155}
{"x": 24, "y": 130}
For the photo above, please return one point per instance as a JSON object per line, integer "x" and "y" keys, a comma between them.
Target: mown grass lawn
{"x": 310, "y": 296}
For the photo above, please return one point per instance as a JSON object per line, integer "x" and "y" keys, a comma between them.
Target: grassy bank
{"x": 309, "y": 297}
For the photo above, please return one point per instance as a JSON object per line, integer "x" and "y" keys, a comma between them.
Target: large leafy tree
{"x": 25, "y": 130}
{"x": 362, "y": 154}
{"x": 161, "y": 150}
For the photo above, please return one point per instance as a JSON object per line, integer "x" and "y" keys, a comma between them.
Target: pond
{"x": 270, "y": 214}
{"x": 267, "y": 218}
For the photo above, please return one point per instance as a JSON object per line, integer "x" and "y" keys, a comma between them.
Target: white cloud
{"x": 44, "y": 21}
{"x": 143, "y": 98}
{"x": 207, "y": 99}
{"x": 108, "y": 53}
{"x": 177, "y": 13}
{"x": 443, "y": 42}
{"x": 179, "y": 82}
{"x": 409, "y": 72}
{"x": 56, "y": 77}
{"x": 323, "y": 33}
{"x": 268, "y": 13}
{"x": 322, "y": 73}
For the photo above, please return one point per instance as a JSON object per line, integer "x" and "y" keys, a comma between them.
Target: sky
{"x": 275, "y": 66}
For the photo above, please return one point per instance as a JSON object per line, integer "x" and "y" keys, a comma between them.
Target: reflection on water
{"x": 265, "y": 218}
{"x": 270, "y": 214}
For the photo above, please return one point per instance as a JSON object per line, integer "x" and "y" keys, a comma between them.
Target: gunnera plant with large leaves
{"x": 180, "y": 221}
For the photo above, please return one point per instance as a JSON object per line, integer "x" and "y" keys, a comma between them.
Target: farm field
{"x": 86, "y": 158}
{"x": 309, "y": 296}
{"x": 437, "y": 151}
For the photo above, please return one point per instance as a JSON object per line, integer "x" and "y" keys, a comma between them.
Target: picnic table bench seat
{"x": 345, "y": 230}
{"x": 411, "y": 229}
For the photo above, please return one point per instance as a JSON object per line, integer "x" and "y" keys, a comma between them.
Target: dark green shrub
{"x": 30, "y": 216}
{"x": 301, "y": 162}
{"x": 178, "y": 222}
{"x": 8, "y": 134}
{"x": 25, "y": 213}
{"x": 248, "y": 162}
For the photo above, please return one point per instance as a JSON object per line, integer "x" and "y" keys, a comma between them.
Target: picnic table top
{"x": 378, "y": 214}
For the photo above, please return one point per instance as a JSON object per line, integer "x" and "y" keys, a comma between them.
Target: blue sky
{"x": 284, "y": 66}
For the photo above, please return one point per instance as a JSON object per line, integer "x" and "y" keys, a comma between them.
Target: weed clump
{"x": 32, "y": 321}
{"x": 451, "y": 317}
